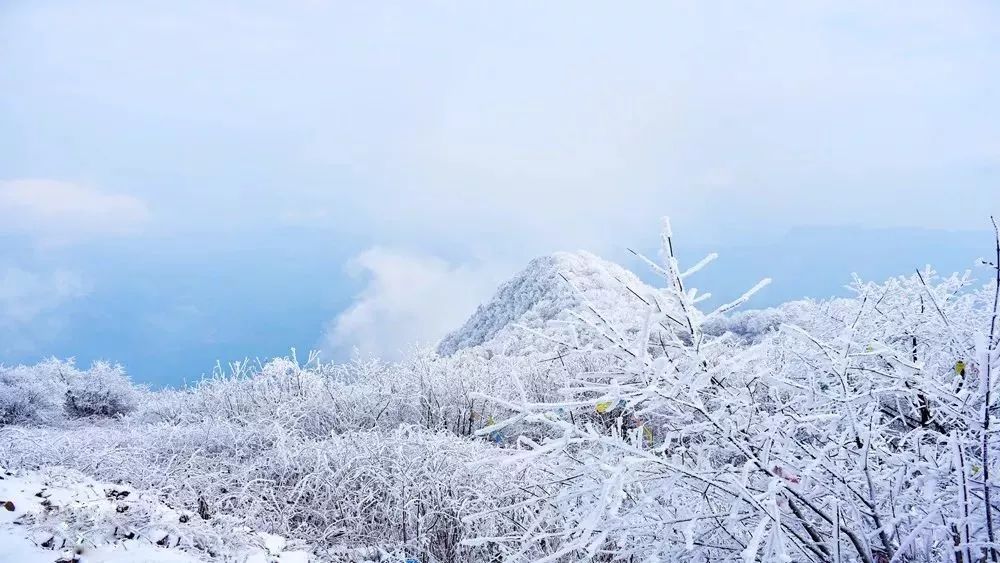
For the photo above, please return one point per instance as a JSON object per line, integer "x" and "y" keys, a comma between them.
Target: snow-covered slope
{"x": 540, "y": 298}
{"x": 60, "y": 515}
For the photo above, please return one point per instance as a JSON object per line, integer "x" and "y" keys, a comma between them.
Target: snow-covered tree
{"x": 863, "y": 435}
{"x": 103, "y": 390}
{"x": 33, "y": 394}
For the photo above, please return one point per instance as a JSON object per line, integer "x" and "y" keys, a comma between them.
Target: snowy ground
{"x": 60, "y": 516}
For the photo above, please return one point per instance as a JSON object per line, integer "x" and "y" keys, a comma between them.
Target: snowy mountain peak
{"x": 544, "y": 292}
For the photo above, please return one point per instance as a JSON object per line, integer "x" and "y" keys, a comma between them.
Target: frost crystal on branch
{"x": 839, "y": 430}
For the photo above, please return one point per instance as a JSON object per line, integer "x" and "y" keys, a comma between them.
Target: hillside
{"x": 545, "y": 297}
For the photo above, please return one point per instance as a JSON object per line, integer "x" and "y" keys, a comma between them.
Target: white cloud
{"x": 408, "y": 299}
{"x": 798, "y": 114}
{"x": 551, "y": 131}
{"x": 63, "y": 212}
{"x": 29, "y": 302}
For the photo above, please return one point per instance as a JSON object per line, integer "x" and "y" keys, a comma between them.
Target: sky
{"x": 184, "y": 182}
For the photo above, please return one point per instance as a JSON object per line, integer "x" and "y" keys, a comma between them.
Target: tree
{"x": 849, "y": 438}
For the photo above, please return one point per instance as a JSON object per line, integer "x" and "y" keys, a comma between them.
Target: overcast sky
{"x": 189, "y": 180}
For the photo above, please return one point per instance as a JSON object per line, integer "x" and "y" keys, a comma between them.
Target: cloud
{"x": 63, "y": 212}
{"x": 550, "y": 131}
{"x": 734, "y": 120}
{"x": 408, "y": 299}
{"x": 29, "y": 303}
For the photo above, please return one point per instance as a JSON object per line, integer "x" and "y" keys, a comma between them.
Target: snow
{"x": 36, "y": 496}
{"x": 545, "y": 295}
{"x": 17, "y": 549}
{"x": 46, "y": 504}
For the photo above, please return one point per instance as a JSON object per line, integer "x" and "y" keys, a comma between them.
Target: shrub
{"x": 33, "y": 394}
{"x": 103, "y": 390}
{"x": 867, "y": 434}
{"x": 404, "y": 493}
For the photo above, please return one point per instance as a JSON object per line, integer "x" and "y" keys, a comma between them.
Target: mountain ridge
{"x": 547, "y": 292}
